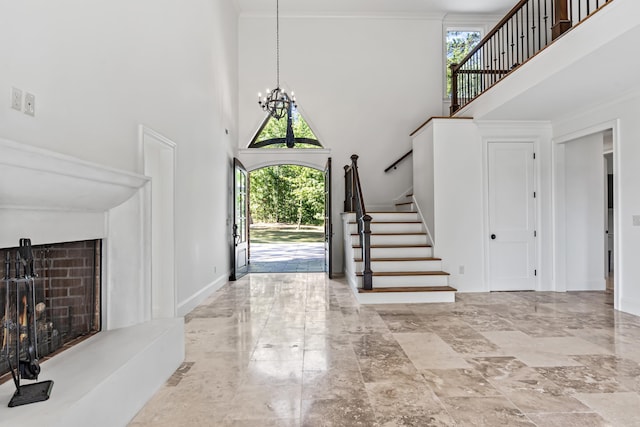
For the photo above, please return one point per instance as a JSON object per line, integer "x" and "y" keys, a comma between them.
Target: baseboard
{"x": 587, "y": 285}
{"x": 194, "y": 300}
{"x": 630, "y": 305}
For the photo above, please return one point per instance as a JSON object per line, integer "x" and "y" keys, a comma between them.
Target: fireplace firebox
{"x": 66, "y": 297}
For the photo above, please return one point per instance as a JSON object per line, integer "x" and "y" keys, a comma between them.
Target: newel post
{"x": 354, "y": 168}
{"x": 367, "y": 281}
{"x": 561, "y": 22}
{"x": 455, "y": 105}
{"x": 347, "y": 190}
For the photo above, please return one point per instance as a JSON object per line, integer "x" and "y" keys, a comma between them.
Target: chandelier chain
{"x": 278, "y": 43}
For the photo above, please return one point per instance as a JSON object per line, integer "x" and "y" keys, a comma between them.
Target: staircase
{"x": 402, "y": 261}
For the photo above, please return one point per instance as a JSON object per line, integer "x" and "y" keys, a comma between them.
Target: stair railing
{"x": 395, "y": 164}
{"x": 527, "y": 29}
{"x": 354, "y": 202}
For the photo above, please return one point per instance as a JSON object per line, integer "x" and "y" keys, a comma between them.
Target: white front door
{"x": 512, "y": 260}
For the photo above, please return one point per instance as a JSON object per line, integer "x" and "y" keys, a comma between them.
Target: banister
{"x": 529, "y": 27}
{"x": 395, "y": 164}
{"x": 354, "y": 202}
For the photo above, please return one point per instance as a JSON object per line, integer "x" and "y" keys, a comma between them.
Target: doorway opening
{"x": 588, "y": 202}
{"x": 287, "y": 219}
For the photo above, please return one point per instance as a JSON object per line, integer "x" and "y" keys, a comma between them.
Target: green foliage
{"x": 459, "y": 44}
{"x": 287, "y": 194}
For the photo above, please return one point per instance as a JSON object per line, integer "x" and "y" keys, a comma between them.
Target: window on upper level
{"x": 458, "y": 43}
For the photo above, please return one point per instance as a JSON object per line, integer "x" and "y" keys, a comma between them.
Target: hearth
{"x": 66, "y": 300}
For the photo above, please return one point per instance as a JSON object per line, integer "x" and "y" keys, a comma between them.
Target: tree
{"x": 287, "y": 194}
{"x": 459, "y": 44}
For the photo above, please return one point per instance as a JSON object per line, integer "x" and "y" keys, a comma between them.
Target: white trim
{"x": 559, "y": 210}
{"x": 148, "y": 138}
{"x": 194, "y": 300}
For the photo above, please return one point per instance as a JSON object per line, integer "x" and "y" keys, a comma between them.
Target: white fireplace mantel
{"x": 50, "y": 197}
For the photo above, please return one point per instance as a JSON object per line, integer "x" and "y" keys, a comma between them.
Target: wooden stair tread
{"x": 404, "y": 203}
{"x": 394, "y": 234}
{"x": 423, "y": 245}
{"x": 410, "y": 289}
{"x": 390, "y": 222}
{"x": 401, "y": 259}
{"x": 391, "y": 212}
{"x": 405, "y": 273}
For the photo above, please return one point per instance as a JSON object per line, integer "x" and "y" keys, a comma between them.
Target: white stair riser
{"x": 393, "y": 239}
{"x": 394, "y": 216}
{"x": 406, "y": 208}
{"x": 391, "y": 227}
{"x": 405, "y": 297}
{"x": 421, "y": 251}
{"x": 406, "y": 281}
{"x": 400, "y": 266}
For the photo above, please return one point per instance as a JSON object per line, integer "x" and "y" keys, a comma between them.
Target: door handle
{"x": 493, "y": 237}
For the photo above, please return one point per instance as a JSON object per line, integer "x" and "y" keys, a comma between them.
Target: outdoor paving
{"x": 286, "y": 257}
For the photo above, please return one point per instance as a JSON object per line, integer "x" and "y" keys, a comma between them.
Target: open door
{"x": 240, "y": 247}
{"x": 328, "y": 226}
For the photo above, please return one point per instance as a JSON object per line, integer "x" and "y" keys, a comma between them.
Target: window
{"x": 459, "y": 42}
{"x": 288, "y": 132}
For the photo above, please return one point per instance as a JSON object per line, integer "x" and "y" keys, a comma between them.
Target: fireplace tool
{"x": 24, "y": 326}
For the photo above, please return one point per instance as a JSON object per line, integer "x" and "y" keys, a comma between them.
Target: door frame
{"x": 559, "y": 208}
{"x": 328, "y": 222}
{"x": 485, "y": 196}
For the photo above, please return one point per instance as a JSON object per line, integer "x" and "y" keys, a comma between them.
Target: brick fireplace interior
{"x": 67, "y": 298}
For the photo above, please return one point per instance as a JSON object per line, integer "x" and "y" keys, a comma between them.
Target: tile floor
{"x": 298, "y": 350}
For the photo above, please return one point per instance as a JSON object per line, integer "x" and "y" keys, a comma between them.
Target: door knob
{"x": 493, "y": 237}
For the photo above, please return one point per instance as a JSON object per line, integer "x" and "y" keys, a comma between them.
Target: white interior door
{"x": 512, "y": 261}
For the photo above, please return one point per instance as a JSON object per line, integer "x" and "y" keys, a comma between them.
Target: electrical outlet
{"x": 30, "y": 104}
{"x": 16, "y": 99}
{"x": 461, "y": 269}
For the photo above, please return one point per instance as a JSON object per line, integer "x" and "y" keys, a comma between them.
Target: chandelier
{"x": 277, "y": 102}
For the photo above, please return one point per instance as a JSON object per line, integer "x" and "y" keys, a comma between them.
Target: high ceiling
{"x": 375, "y": 7}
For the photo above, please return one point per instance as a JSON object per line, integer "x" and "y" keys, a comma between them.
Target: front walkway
{"x": 286, "y": 257}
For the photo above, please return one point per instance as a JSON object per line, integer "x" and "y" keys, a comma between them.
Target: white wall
{"x": 99, "y": 70}
{"x": 423, "y": 185}
{"x": 584, "y": 213}
{"x": 362, "y": 83}
{"x": 458, "y": 216}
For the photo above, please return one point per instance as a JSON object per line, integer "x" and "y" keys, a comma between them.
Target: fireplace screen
{"x": 67, "y": 297}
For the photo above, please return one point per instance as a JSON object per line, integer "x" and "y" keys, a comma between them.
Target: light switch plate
{"x": 636, "y": 220}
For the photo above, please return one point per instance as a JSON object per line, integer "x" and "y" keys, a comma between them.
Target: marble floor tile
{"x": 410, "y": 403}
{"x": 459, "y": 383}
{"x": 298, "y": 350}
{"x": 485, "y": 411}
{"x": 588, "y": 419}
{"x": 429, "y": 351}
{"x": 620, "y": 409}
{"x": 338, "y": 412}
